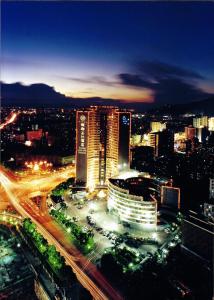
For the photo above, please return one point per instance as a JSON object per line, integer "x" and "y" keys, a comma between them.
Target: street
{"x": 17, "y": 193}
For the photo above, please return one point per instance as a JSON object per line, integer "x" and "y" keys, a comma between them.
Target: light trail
{"x": 90, "y": 278}
{"x": 10, "y": 120}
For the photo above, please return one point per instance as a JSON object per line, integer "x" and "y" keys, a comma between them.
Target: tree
{"x": 63, "y": 206}
{"x": 29, "y": 226}
{"x": 54, "y": 257}
{"x": 26, "y": 224}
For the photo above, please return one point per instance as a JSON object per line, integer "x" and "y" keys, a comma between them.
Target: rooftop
{"x": 136, "y": 186}
{"x": 13, "y": 265}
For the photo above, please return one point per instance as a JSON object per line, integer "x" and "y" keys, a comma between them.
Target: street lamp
{"x": 154, "y": 235}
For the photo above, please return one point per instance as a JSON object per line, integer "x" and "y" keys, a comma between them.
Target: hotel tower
{"x": 102, "y": 144}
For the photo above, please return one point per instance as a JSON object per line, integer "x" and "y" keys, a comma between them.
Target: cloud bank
{"x": 169, "y": 84}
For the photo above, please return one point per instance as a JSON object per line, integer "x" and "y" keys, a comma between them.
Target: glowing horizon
{"x": 77, "y": 52}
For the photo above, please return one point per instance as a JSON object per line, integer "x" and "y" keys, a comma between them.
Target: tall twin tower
{"x": 102, "y": 144}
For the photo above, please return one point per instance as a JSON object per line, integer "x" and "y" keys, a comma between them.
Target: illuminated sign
{"x": 82, "y": 142}
{"x": 81, "y": 146}
{"x": 125, "y": 120}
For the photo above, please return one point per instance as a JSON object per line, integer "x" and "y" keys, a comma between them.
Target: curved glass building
{"x": 131, "y": 200}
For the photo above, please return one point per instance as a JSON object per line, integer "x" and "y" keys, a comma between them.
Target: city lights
{"x": 37, "y": 166}
{"x": 28, "y": 143}
{"x": 113, "y": 226}
{"x": 154, "y": 235}
{"x": 107, "y": 150}
{"x": 92, "y": 205}
{"x": 121, "y": 216}
{"x": 99, "y": 155}
{"x": 101, "y": 194}
{"x": 131, "y": 208}
{"x": 10, "y": 120}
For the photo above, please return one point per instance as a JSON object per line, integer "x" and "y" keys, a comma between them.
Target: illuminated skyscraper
{"x": 102, "y": 144}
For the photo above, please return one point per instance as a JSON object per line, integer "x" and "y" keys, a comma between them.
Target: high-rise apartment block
{"x": 162, "y": 142}
{"x": 102, "y": 144}
{"x": 200, "y": 122}
{"x": 204, "y": 121}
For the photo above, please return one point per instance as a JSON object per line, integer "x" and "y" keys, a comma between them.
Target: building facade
{"x": 200, "y": 122}
{"x": 102, "y": 144}
{"x": 157, "y": 126}
{"x": 202, "y": 133}
{"x": 162, "y": 142}
{"x": 198, "y": 236}
{"x": 130, "y": 205}
{"x": 170, "y": 196}
{"x": 211, "y": 124}
{"x": 211, "y": 188}
{"x": 190, "y": 132}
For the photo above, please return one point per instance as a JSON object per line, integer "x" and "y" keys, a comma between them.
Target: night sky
{"x": 141, "y": 51}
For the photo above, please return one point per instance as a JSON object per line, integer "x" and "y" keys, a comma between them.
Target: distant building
{"x": 208, "y": 210}
{"x": 136, "y": 139}
{"x": 157, "y": 126}
{"x": 170, "y": 196}
{"x": 211, "y": 188}
{"x": 190, "y": 132}
{"x": 34, "y": 135}
{"x": 200, "y": 122}
{"x": 66, "y": 160}
{"x": 211, "y": 124}
{"x": 162, "y": 142}
{"x": 179, "y": 141}
{"x": 102, "y": 144}
{"x": 202, "y": 133}
{"x": 191, "y": 145}
{"x": 179, "y": 136}
{"x": 154, "y": 142}
{"x": 35, "y": 126}
{"x": 20, "y": 138}
{"x": 141, "y": 158}
{"x": 198, "y": 237}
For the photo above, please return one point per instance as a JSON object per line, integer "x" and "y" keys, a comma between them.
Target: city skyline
{"x": 66, "y": 174}
{"x": 140, "y": 52}
{"x": 107, "y": 150}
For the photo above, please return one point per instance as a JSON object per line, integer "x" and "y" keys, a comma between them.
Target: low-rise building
{"x": 132, "y": 202}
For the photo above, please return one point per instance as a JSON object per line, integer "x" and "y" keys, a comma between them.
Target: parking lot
{"x": 91, "y": 211}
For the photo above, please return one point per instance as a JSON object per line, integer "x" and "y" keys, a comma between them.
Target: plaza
{"x": 90, "y": 211}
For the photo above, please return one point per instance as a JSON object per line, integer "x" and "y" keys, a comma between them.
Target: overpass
{"x": 10, "y": 218}
{"x": 90, "y": 278}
